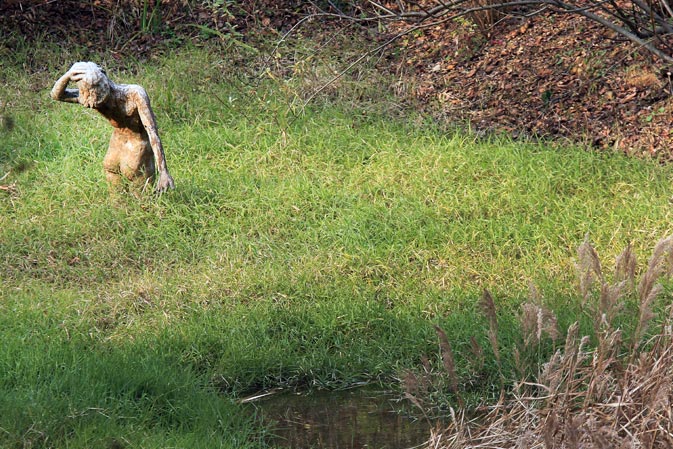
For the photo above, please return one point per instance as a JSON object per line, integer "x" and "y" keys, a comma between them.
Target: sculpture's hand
{"x": 77, "y": 71}
{"x": 75, "y": 77}
{"x": 165, "y": 182}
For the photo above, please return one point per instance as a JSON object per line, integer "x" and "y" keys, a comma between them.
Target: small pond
{"x": 346, "y": 419}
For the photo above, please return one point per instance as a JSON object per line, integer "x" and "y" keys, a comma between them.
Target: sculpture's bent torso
{"x": 130, "y": 152}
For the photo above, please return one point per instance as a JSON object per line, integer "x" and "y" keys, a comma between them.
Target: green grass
{"x": 316, "y": 251}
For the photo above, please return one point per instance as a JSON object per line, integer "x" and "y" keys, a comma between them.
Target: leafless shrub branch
{"x": 648, "y": 24}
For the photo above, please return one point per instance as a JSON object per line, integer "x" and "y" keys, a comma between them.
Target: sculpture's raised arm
{"x": 60, "y": 92}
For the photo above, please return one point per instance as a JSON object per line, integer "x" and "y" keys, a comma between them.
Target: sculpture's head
{"x": 94, "y": 87}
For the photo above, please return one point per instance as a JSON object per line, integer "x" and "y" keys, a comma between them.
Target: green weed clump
{"x": 305, "y": 246}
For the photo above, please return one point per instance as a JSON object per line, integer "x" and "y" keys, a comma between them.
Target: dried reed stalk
{"x": 625, "y": 265}
{"x": 488, "y": 307}
{"x": 589, "y": 265}
{"x": 649, "y": 289}
{"x": 587, "y": 398}
{"x": 578, "y": 404}
{"x": 447, "y": 359}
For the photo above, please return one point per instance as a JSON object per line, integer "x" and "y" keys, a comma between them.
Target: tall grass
{"x": 309, "y": 248}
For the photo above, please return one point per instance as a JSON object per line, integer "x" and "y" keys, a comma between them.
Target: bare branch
{"x": 617, "y": 29}
{"x": 381, "y": 7}
{"x": 667, "y": 7}
{"x": 639, "y": 23}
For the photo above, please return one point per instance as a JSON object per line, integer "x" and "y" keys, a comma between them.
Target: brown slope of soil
{"x": 551, "y": 77}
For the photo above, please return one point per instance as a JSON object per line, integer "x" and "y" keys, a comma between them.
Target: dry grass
{"x": 583, "y": 397}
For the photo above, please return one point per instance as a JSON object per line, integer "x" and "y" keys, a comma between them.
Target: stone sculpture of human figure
{"x": 135, "y": 150}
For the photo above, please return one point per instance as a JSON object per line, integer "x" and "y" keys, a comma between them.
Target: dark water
{"x": 350, "y": 419}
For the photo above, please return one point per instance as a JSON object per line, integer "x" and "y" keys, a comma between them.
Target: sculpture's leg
{"x": 111, "y": 167}
{"x": 129, "y": 159}
{"x": 137, "y": 164}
